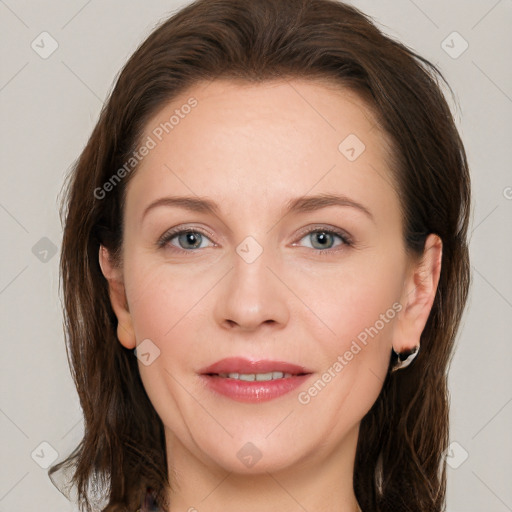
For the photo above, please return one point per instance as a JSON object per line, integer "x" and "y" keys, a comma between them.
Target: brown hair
{"x": 400, "y": 454}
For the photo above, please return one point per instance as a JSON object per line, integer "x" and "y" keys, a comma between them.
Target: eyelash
{"x": 344, "y": 237}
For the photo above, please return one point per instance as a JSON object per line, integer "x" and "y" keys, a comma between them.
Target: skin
{"x": 251, "y": 148}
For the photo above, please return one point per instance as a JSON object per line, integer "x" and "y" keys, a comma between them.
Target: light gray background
{"x": 48, "y": 109}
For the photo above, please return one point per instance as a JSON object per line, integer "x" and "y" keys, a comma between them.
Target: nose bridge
{"x": 251, "y": 294}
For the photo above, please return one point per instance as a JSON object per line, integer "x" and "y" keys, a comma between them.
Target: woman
{"x": 271, "y": 215}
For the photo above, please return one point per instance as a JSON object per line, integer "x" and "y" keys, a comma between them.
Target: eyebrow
{"x": 193, "y": 204}
{"x": 316, "y": 202}
{"x": 300, "y": 204}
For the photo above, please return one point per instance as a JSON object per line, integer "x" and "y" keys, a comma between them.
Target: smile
{"x": 253, "y": 381}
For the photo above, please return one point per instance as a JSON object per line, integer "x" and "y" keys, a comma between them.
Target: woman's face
{"x": 291, "y": 262}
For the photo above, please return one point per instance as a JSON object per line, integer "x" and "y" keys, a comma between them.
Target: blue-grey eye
{"x": 323, "y": 239}
{"x": 189, "y": 239}
{"x": 186, "y": 240}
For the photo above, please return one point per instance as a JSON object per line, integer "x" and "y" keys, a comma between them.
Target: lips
{"x": 241, "y": 365}
{"x": 249, "y": 381}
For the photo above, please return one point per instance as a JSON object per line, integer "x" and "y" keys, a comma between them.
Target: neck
{"x": 321, "y": 481}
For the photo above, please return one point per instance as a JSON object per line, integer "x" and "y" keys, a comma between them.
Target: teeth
{"x": 250, "y": 377}
{"x": 267, "y": 376}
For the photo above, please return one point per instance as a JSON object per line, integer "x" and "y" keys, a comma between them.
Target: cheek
{"x": 158, "y": 297}
{"x": 365, "y": 317}
{"x": 162, "y": 310}
{"x": 355, "y": 358}
{"x": 166, "y": 306}
{"x": 355, "y": 300}
{"x": 359, "y": 304}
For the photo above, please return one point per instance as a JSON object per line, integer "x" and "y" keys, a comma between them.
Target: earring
{"x": 405, "y": 358}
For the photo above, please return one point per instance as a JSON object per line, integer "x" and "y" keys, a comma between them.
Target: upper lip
{"x": 247, "y": 366}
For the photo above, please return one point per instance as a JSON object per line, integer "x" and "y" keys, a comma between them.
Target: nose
{"x": 251, "y": 295}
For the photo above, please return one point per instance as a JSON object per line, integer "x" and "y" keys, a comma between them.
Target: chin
{"x": 259, "y": 456}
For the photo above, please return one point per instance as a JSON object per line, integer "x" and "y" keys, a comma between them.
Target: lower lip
{"x": 253, "y": 391}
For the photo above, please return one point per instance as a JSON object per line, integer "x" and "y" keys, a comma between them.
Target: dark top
{"x": 149, "y": 503}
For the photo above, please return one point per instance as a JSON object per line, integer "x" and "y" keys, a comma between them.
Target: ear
{"x": 418, "y": 295}
{"x": 113, "y": 274}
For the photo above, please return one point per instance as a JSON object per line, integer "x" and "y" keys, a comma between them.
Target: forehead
{"x": 270, "y": 140}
